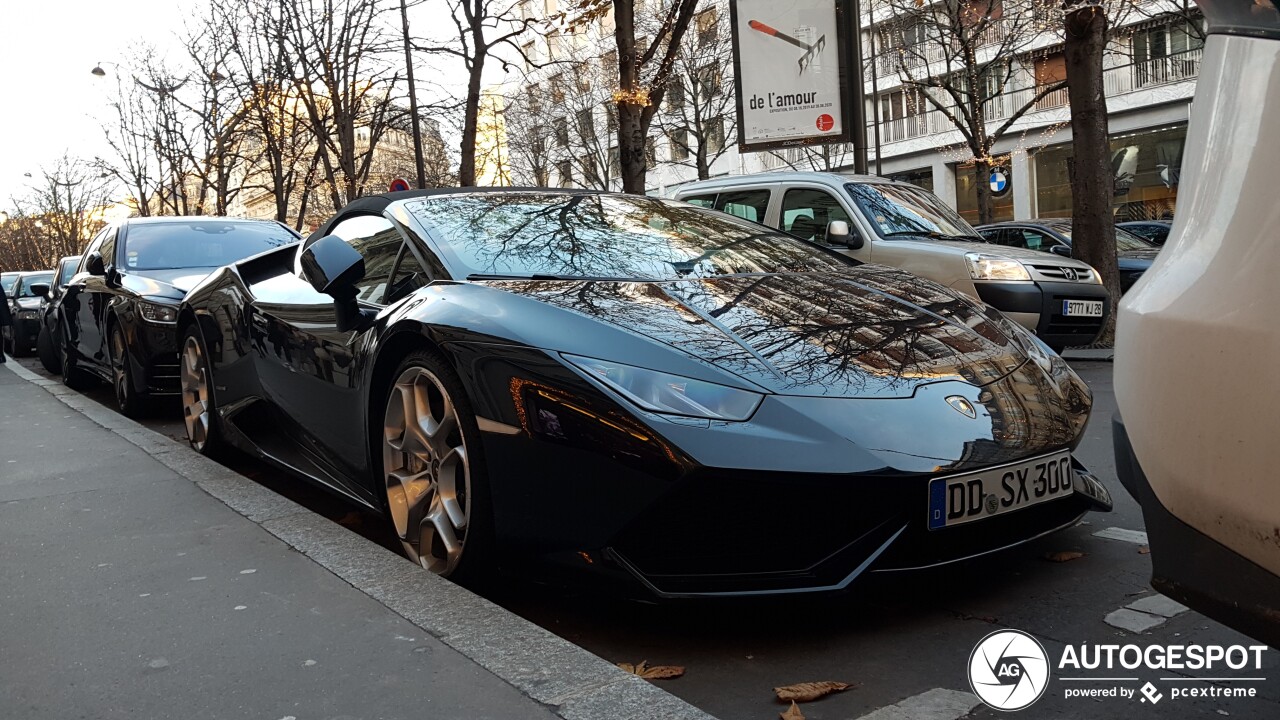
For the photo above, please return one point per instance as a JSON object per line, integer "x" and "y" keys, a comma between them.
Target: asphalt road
{"x": 896, "y": 638}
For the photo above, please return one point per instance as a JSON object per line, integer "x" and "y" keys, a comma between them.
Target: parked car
{"x": 622, "y": 384}
{"x": 119, "y": 312}
{"x": 1198, "y": 409}
{"x": 1153, "y": 231}
{"x": 902, "y": 225}
{"x": 1133, "y": 254}
{"x": 49, "y": 338}
{"x": 24, "y": 306}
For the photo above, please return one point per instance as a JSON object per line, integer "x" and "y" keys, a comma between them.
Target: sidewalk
{"x": 128, "y": 590}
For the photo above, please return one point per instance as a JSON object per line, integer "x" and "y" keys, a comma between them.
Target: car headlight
{"x": 671, "y": 394}
{"x": 994, "y": 267}
{"x": 157, "y": 313}
{"x": 28, "y": 314}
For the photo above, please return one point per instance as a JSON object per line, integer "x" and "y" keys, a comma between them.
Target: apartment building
{"x": 1150, "y": 73}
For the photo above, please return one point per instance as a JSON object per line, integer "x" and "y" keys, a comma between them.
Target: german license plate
{"x": 980, "y": 495}
{"x": 1082, "y": 308}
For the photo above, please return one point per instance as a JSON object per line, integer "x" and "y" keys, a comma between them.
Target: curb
{"x": 571, "y": 682}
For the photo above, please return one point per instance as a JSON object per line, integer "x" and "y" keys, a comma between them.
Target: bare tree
{"x": 965, "y": 59}
{"x": 129, "y": 136}
{"x": 218, "y": 107}
{"x": 818, "y": 158}
{"x": 699, "y": 118}
{"x": 343, "y": 58}
{"x": 482, "y": 27}
{"x": 57, "y": 217}
{"x": 530, "y": 136}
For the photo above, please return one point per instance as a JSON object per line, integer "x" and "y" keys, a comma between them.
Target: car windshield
{"x": 900, "y": 211}
{"x": 1125, "y": 240}
{"x": 29, "y": 280}
{"x": 199, "y": 243}
{"x": 588, "y": 235}
{"x": 7, "y": 281}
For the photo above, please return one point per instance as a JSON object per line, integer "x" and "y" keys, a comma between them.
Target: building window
{"x": 715, "y": 136}
{"x": 611, "y": 117}
{"x": 535, "y": 99}
{"x": 708, "y": 81}
{"x": 582, "y": 77}
{"x": 708, "y": 26}
{"x": 675, "y": 95}
{"x": 1166, "y": 53}
{"x": 967, "y": 193}
{"x": 565, "y": 170}
{"x": 530, "y": 51}
{"x": 589, "y": 171}
{"x": 561, "y": 127}
{"x": 609, "y": 65}
{"x": 557, "y": 87}
{"x": 615, "y": 163}
{"x": 922, "y": 178}
{"x": 679, "y": 140}
{"x": 1147, "y": 166}
{"x": 586, "y": 126}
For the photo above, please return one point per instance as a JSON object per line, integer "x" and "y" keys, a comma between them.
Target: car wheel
{"x": 198, "y": 411}
{"x": 127, "y": 399}
{"x": 433, "y": 470}
{"x": 18, "y": 343}
{"x": 47, "y": 351}
{"x": 72, "y": 376}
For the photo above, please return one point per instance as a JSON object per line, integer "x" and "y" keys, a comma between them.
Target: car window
{"x": 7, "y": 282}
{"x": 702, "y": 200}
{"x": 999, "y": 237}
{"x": 1036, "y": 240}
{"x": 806, "y": 212}
{"x": 746, "y": 204}
{"x": 375, "y": 238}
{"x": 23, "y": 288}
{"x": 66, "y": 268}
{"x": 108, "y": 248}
{"x": 409, "y": 276}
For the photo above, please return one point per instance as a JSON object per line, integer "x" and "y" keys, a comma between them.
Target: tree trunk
{"x": 470, "y": 121}
{"x": 1092, "y": 182}
{"x": 982, "y": 186}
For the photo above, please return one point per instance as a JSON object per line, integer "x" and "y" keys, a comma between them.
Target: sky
{"x": 53, "y": 103}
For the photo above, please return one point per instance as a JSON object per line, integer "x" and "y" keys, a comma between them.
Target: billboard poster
{"x": 789, "y": 72}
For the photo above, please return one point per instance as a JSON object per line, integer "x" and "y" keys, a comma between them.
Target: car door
{"x": 84, "y": 306}
{"x": 310, "y": 369}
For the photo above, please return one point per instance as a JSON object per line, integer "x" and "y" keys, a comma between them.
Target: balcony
{"x": 1118, "y": 82}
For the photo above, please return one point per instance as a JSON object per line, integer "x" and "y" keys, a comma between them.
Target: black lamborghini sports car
{"x": 637, "y": 387}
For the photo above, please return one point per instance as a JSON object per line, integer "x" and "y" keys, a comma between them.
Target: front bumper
{"x": 1045, "y": 300}
{"x": 1195, "y": 569}
{"x": 25, "y": 332}
{"x": 153, "y": 351}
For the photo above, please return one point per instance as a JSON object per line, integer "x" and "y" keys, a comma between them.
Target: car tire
{"x": 48, "y": 353}
{"x": 128, "y": 401}
{"x": 199, "y": 413}
{"x": 17, "y": 344}
{"x": 434, "y": 483}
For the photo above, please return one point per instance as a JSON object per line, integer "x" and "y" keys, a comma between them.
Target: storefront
{"x": 1146, "y": 166}
{"x": 920, "y": 178}
{"x": 1001, "y": 181}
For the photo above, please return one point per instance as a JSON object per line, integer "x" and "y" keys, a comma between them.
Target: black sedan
{"x": 1153, "y": 231}
{"x": 119, "y": 313}
{"x": 1133, "y": 254}
{"x": 49, "y": 339}
{"x": 24, "y": 307}
{"x": 663, "y": 394}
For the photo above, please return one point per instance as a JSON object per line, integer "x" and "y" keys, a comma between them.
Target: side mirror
{"x": 1062, "y": 250}
{"x": 333, "y": 267}
{"x": 40, "y": 290}
{"x": 94, "y": 265}
{"x": 839, "y": 232}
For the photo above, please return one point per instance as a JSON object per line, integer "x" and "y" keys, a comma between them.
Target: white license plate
{"x": 1082, "y": 308}
{"x": 979, "y": 495}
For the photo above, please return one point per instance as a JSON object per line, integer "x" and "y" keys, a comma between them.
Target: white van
{"x": 892, "y": 223}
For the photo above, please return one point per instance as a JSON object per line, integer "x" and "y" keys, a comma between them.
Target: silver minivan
{"x": 893, "y": 223}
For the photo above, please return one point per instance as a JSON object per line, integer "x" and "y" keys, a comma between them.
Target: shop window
{"x": 1145, "y": 165}
{"x": 967, "y": 194}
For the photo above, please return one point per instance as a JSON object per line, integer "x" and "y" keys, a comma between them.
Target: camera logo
{"x": 1008, "y": 670}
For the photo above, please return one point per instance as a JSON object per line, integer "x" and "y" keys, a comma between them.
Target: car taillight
{"x": 1258, "y": 18}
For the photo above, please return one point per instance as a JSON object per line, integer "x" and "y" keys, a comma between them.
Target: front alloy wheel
{"x": 427, "y": 470}
{"x": 122, "y": 374}
{"x": 197, "y": 406}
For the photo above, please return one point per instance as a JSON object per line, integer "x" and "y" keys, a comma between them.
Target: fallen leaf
{"x": 655, "y": 672}
{"x": 809, "y": 691}
{"x": 792, "y": 713}
{"x": 1144, "y": 550}
{"x": 1063, "y": 556}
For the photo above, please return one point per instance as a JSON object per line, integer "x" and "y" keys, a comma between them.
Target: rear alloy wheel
{"x": 197, "y": 400}
{"x": 122, "y": 374}
{"x": 432, "y": 481}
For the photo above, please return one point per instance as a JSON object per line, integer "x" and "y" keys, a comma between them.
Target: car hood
{"x": 28, "y": 303}
{"x": 174, "y": 284}
{"x": 872, "y": 331}
{"x": 961, "y": 246}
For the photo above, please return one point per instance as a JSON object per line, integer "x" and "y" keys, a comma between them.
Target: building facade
{"x": 1150, "y": 73}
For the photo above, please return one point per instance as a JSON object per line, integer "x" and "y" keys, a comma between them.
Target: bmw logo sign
{"x": 999, "y": 182}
